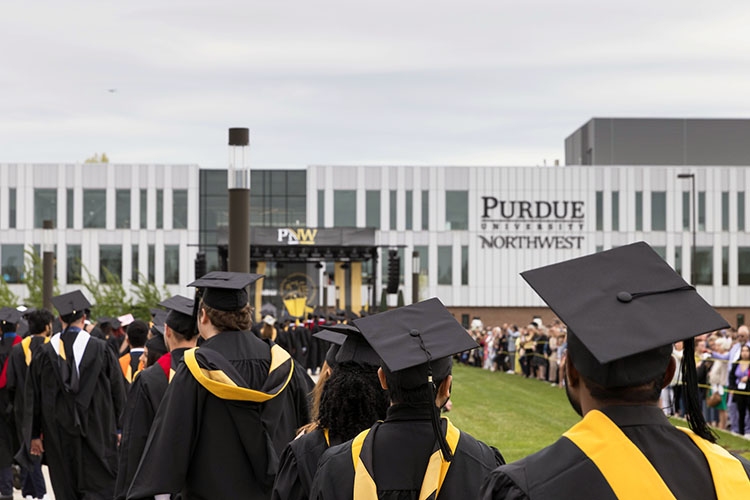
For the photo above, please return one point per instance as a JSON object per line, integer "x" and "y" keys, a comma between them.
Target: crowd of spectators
{"x": 538, "y": 351}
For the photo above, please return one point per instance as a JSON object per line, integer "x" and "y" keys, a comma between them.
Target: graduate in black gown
{"x": 136, "y": 337}
{"x": 9, "y": 318}
{"x": 40, "y": 328}
{"x": 230, "y": 409}
{"x": 623, "y": 314}
{"x": 149, "y": 387}
{"x": 352, "y": 400}
{"x": 413, "y": 454}
{"x": 78, "y": 397}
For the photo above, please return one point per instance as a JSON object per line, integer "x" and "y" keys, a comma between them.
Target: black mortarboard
{"x": 10, "y": 315}
{"x": 624, "y": 308}
{"x": 70, "y": 304}
{"x": 336, "y": 339}
{"x": 160, "y": 317}
{"x": 180, "y": 316}
{"x": 225, "y": 291}
{"x": 354, "y": 347}
{"x": 154, "y": 311}
{"x": 411, "y": 336}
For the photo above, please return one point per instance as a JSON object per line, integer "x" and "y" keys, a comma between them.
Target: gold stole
{"x": 437, "y": 468}
{"x": 610, "y": 449}
{"x": 26, "y": 344}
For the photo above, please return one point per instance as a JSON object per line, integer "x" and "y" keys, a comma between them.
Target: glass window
{"x": 151, "y": 263}
{"x": 94, "y": 208}
{"x": 704, "y": 266}
{"x": 134, "y": 263}
{"x": 661, "y": 251}
{"x": 321, "y": 208}
{"x": 445, "y": 265}
{"x": 425, "y": 210}
{"x": 457, "y": 210}
{"x": 615, "y": 210}
{"x": 45, "y": 206}
{"x": 344, "y": 208}
{"x": 394, "y": 208}
{"x": 686, "y": 210}
{"x": 144, "y": 208}
{"x": 658, "y": 211}
{"x": 171, "y": 264}
{"x": 159, "y": 208}
{"x": 409, "y": 209}
{"x": 599, "y": 210}
{"x": 725, "y": 211}
{"x": 701, "y": 211}
{"x": 372, "y": 209}
{"x": 424, "y": 258}
{"x": 464, "y": 265}
{"x": 741, "y": 211}
{"x": 639, "y": 210}
{"x": 743, "y": 262}
{"x": 179, "y": 208}
{"x": 296, "y": 183}
{"x": 110, "y": 259}
{"x": 69, "y": 208}
{"x": 12, "y": 208}
{"x": 74, "y": 264}
{"x": 12, "y": 263}
{"x": 122, "y": 208}
{"x": 724, "y": 266}
{"x": 678, "y": 260}
{"x": 599, "y": 248}
{"x": 278, "y": 210}
{"x": 296, "y": 210}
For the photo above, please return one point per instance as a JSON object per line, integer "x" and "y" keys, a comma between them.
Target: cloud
{"x": 437, "y": 82}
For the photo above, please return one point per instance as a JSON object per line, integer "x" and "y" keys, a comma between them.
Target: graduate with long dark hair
{"x": 352, "y": 400}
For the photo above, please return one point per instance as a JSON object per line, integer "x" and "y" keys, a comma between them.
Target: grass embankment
{"x": 520, "y": 416}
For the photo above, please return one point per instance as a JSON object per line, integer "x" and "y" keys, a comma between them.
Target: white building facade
{"x": 136, "y": 221}
{"x": 477, "y": 228}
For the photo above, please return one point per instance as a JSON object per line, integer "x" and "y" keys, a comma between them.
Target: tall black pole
{"x": 48, "y": 265}
{"x": 415, "y": 278}
{"x": 238, "y": 182}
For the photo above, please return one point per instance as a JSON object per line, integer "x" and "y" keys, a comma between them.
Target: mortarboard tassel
{"x": 694, "y": 413}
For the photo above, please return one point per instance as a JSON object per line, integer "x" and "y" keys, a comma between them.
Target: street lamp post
{"x": 692, "y": 250}
{"x": 48, "y": 263}
{"x": 238, "y": 182}
{"x": 415, "y": 277}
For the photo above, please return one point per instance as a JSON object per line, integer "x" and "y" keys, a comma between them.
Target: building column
{"x": 356, "y": 284}
{"x": 339, "y": 280}
{"x": 261, "y": 269}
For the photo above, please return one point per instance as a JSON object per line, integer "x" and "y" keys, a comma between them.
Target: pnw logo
{"x": 301, "y": 236}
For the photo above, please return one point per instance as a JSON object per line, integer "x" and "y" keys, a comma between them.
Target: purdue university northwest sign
{"x": 523, "y": 224}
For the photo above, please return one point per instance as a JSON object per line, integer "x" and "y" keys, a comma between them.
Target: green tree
{"x": 400, "y": 302}
{"x": 147, "y": 296}
{"x": 7, "y": 298}
{"x": 33, "y": 279}
{"x": 98, "y": 158}
{"x": 109, "y": 297}
{"x": 383, "y": 301}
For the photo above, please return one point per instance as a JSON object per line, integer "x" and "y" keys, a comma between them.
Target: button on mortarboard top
{"x": 654, "y": 306}
{"x": 10, "y": 315}
{"x": 225, "y": 291}
{"x": 70, "y": 303}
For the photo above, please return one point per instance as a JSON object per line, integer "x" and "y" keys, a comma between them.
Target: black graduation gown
{"x": 401, "y": 450}
{"x": 297, "y": 466}
{"x": 562, "y": 470}
{"x": 17, "y": 370}
{"x": 144, "y": 398}
{"x": 79, "y": 429}
{"x": 8, "y": 441}
{"x": 206, "y": 447}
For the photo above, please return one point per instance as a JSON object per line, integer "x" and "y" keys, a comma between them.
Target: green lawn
{"x": 520, "y": 416}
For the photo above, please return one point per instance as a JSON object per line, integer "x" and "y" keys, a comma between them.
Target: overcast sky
{"x": 340, "y": 81}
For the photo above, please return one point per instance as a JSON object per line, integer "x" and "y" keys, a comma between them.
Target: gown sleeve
{"x": 498, "y": 486}
{"x": 117, "y": 385}
{"x": 288, "y": 485}
{"x": 166, "y": 458}
{"x": 136, "y": 423}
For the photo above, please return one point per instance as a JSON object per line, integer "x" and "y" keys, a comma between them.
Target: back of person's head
{"x": 229, "y": 321}
{"x": 402, "y": 393}
{"x": 39, "y": 320}
{"x": 137, "y": 333}
{"x": 352, "y": 400}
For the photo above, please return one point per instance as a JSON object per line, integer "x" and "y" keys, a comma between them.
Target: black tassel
{"x": 694, "y": 413}
{"x": 436, "y": 427}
